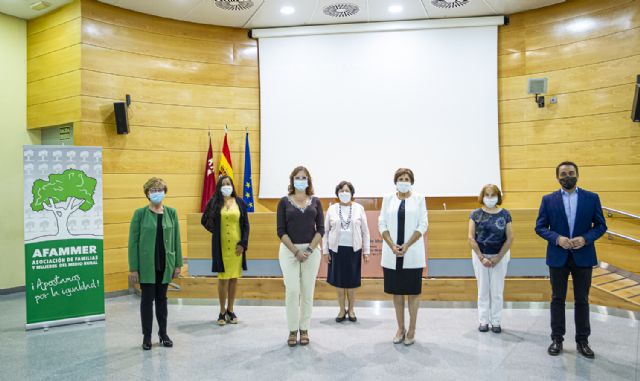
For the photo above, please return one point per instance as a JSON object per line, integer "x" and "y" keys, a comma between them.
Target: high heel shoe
{"x": 341, "y": 319}
{"x": 399, "y": 339}
{"x": 222, "y": 319}
{"x": 231, "y": 317}
{"x": 146, "y": 343}
{"x": 165, "y": 341}
{"x": 409, "y": 341}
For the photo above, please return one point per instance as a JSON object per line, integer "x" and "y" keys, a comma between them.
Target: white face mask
{"x": 226, "y": 190}
{"x": 344, "y": 197}
{"x": 403, "y": 186}
{"x": 490, "y": 202}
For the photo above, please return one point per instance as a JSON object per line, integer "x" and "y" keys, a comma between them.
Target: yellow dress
{"x": 229, "y": 238}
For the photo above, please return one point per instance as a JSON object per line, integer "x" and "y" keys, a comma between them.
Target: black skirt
{"x": 344, "y": 270}
{"x": 402, "y": 281}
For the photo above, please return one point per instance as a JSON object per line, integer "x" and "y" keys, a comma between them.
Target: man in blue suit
{"x": 571, "y": 220}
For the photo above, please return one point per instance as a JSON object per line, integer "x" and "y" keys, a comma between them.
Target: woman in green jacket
{"x": 155, "y": 257}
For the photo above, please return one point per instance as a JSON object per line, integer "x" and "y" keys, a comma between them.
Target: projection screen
{"x": 357, "y": 106}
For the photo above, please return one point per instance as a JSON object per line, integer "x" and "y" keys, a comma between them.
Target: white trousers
{"x": 490, "y": 288}
{"x": 299, "y": 282}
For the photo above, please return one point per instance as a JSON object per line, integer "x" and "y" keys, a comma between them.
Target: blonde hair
{"x": 495, "y": 190}
{"x": 154, "y": 182}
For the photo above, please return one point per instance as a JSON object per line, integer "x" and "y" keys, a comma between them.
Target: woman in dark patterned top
{"x": 490, "y": 238}
{"x": 300, "y": 228}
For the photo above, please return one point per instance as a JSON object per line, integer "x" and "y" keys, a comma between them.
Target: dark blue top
{"x": 491, "y": 231}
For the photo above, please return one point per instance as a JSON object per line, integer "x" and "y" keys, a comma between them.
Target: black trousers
{"x": 154, "y": 292}
{"x": 581, "y": 284}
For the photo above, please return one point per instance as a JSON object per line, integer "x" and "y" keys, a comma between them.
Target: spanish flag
{"x": 225, "y": 167}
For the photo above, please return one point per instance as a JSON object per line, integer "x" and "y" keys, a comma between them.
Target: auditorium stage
{"x": 448, "y": 345}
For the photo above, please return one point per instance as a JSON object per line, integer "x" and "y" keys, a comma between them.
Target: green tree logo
{"x": 63, "y": 194}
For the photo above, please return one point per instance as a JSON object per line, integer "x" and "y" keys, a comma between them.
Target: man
{"x": 571, "y": 220}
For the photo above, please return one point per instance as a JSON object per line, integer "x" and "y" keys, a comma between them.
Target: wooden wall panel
{"x": 184, "y": 80}
{"x": 54, "y": 38}
{"x": 116, "y": 16}
{"x": 53, "y": 63}
{"x": 132, "y": 64}
{"x": 53, "y": 113}
{"x": 100, "y": 109}
{"x": 188, "y": 78}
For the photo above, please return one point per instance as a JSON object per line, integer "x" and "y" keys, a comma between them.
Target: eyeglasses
{"x": 156, "y": 190}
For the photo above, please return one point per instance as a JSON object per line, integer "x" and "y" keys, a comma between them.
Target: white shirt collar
{"x": 564, "y": 192}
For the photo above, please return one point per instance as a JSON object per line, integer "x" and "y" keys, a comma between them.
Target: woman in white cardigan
{"x": 345, "y": 241}
{"x": 402, "y": 223}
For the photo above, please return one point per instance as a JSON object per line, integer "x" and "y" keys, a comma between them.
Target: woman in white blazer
{"x": 345, "y": 241}
{"x": 402, "y": 223}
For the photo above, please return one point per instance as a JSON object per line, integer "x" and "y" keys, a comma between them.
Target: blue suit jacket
{"x": 552, "y": 223}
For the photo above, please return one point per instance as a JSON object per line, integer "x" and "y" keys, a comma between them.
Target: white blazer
{"x": 415, "y": 220}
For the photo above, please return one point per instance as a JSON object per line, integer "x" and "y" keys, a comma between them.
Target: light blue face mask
{"x": 156, "y": 197}
{"x": 300, "y": 184}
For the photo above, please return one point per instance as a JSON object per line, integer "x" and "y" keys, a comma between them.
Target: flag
{"x": 226, "y": 167}
{"x": 247, "y": 192}
{"x": 209, "y": 185}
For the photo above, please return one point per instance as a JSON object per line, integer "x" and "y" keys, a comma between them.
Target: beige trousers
{"x": 299, "y": 282}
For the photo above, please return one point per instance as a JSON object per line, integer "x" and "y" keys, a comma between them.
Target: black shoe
{"x": 222, "y": 319}
{"x": 496, "y": 329}
{"x": 555, "y": 348}
{"x": 353, "y": 318}
{"x": 165, "y": 341}
{"x": 146, "y": 343}
{"x": 583, "y": 348}
{"x": 231, "y": 317}
{"x": 341, "y": 319}
{"x": 483, "y": 328}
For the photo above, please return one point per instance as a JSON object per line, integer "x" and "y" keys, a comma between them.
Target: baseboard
{"x": 12, "y": 290}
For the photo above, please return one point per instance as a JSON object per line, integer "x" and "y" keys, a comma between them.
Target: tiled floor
{"x": 448, "y": 346}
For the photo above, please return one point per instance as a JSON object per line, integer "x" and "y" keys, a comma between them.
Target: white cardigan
{"x": 415, "y": 220}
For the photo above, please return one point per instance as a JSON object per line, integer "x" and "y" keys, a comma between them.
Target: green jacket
{"x": 142, "y": 243}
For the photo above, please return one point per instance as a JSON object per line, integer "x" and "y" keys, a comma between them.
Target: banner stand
{"x": 63, "y": 235}
{"x": 61, "y": 322}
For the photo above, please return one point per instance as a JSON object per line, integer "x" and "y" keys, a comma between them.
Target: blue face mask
{"x": 300, "y": 184}
{"x": 156, "y": 197}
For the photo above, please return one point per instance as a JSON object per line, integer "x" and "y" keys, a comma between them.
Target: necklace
{"x": 344, "y": 224}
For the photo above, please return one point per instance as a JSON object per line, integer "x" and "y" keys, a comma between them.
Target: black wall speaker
{"x": 635, "y": 108}
{"x": 122, "y": 117}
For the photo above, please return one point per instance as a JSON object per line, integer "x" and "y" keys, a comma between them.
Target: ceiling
{"x": 22, "y": 8}
{"x": 273, "y": 13}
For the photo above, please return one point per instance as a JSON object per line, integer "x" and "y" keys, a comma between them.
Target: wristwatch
{"x": 309, "y": 250}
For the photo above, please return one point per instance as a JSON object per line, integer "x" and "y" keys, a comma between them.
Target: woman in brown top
{"x": 300, "y": 228}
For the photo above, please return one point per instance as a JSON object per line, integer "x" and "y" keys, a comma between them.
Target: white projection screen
{"x": 357, "y": 106}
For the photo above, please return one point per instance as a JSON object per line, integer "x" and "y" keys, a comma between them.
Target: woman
{"x": 155, "y": 257}
{"x": 346, "y": 238}
{"x": 490, "y": 237}
{"x": 225, "y": 216}
{"x": 300, "y": 227}
{"x": 402, "y": 223}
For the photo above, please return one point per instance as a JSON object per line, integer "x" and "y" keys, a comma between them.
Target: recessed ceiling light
{"x": 395, "y": 8}
{"x": 287, "y": 10}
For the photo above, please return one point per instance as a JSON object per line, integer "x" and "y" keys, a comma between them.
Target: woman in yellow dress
{"x": 226, "y": 218}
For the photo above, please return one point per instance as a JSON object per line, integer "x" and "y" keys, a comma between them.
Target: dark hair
{"x": 495, "y": 190}
{"x": 342, "y": 184}
{"x": 403, "y": 171}
{"x": 217, "y": 200}
{"x": 292, "y": 189}
{"x": 566, "y": 163}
